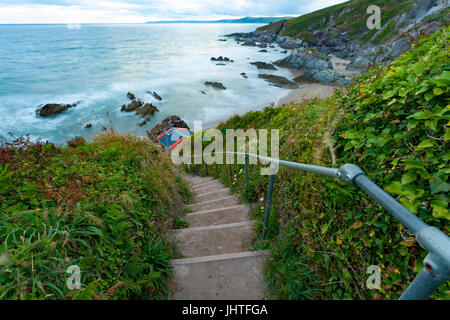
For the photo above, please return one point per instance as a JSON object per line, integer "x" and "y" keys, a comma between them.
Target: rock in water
{"x": 147, "y": 110}
{"x": 249, "y": 43}
{"x": 221, "y": 59}
{"x": 156, "y": 96}
{"x": 147, "y": 119}
{"x": 216, "y": 85}
{"x": 263, "y": 65}
{"x": 130, "y": 96}
{"x": 89, "y": 125}
{"x": 54, "y": 108}
{"x": 169, "y": 122}
{"x": 278, "y": 81}
{"x": 132, "y": 106}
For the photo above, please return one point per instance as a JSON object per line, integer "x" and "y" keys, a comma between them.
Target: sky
{"x": 139, "y": 11}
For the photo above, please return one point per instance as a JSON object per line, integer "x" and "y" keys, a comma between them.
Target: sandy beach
{"x": 307, "y": 92}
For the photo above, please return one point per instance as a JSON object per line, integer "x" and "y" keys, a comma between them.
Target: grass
{"x": 103, "y": 206}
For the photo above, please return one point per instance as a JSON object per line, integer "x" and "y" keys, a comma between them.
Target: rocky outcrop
{"x": 89, "y": 125}
{"x": 214, "y": 84}
{"x": 132, "y": 106}
{"x": 169, "y": 122}
{"x": 51, "y": 109}
{"x": 250, "y": 43}
{"x": 305, "y": 58}
{"x": 146, "y": 110}
{"x": 221, "y": 59}
{"x": 263, "y": 65}
{"x": 131, "y": 96}
{"x": 143, "y": 110}
{"x": 323, "y": 76}
{"x": 278, "y": 81}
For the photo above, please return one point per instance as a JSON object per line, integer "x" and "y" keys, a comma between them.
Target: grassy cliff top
{"x": 102, "y": 206}
{"x": 349, "y": 16}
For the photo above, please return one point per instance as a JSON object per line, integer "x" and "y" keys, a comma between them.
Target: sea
{"x": 97, "y": 64}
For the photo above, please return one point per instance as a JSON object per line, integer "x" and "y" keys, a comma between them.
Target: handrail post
{"x": 424, "y": 285}
{"x": 231, "y": 174}
{"x": 269, "y": 201}
{"x": 246, "y": 165}
{"x": 206, "y": 169}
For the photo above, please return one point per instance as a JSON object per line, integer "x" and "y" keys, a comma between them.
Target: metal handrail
{"x": 436, "y": 264}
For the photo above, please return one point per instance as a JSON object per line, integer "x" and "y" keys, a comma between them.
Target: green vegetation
{"x": 103, "y": 206}
{"x": 349, "y": 16}
{"x": 394, "y": 124}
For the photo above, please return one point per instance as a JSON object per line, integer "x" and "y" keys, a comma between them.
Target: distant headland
{"x": 242, "y": 20}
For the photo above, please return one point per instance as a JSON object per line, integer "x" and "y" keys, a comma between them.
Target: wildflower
{"x": 261, "y": 199}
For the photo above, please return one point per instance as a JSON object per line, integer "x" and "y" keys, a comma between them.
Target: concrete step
{"x": 213, "y": 240}
{"x": 226, "y": 215}
{"x": 192, "y": 179}
{"x": 214, "y": 204}
{"x": 236, "y": 276}
{"x": 211, "y": 194}
{"x": 204, "y": 183}
{"x": 209, "y": 186}
{"x": 200, "y": 181}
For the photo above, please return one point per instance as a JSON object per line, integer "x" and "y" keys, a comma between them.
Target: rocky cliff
{"x": 341, "y": 30}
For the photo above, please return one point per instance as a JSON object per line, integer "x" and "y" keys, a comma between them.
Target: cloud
{"x": 137, "y": 11}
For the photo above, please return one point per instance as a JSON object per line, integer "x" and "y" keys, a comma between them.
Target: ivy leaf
{"x": 432, "y": 124}
{"x": 425, "y": 144}
{"x": 409, "y": 177}
{"x": 429, "y": 95}
{"x": 324, "y": 228}
{"x": 440, "y": 209}
{"x": 419, "y": 68}
{"x": 414, "y": 164}
{"x": 412, "y": 206}
{"x": 438, "y": 91}
{"x": 395, "y": 188}
{"x": 447, "y": 134}
{"x": 346, "y": 275}
{"x": 422, "y": 115}
{"x": 438, "y": 185}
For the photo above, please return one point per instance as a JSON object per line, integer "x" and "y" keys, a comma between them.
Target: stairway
{"x": 217, "y": 263}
